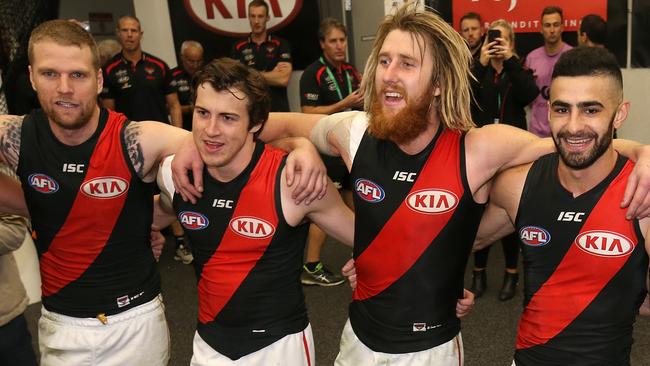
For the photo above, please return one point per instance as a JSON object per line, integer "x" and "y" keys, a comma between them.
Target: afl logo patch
{"x": 43, "y": 183}
{"x": 604, "y": 243}
{"x": 193, "y": 220}
{"x": 432, "y": 201}
{"x": 534, "y": 236}
{"x": 105, "y": 187}
{"x": 252, "y": 227}
{"x": 369, "y": 191}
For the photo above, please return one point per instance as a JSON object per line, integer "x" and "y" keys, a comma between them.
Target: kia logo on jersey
{"x": 193, "y": 220}
{"x": 252, "y": 227}
{"x": 43, "y": 183}
{"x": 105, "y": 187}
{"x": 604, "y": 243}
{"x": 369, "y": 190}
{"x": 432, "y": 201}
{"x": 230, "y": 18}
{"x": 534, "y": 236}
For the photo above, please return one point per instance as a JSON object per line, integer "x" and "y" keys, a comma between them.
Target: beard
{"x": 404, "y": 126}
{"x": 585, "y": 159}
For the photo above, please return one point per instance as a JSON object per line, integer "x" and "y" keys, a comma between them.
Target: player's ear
{"x": 621, "y": 114}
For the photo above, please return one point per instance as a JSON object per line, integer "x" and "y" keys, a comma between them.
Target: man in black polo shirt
{"x": 266, "y": 53}
{"x": 191, "y": 62}
{"x": 327, "y": 86}
{"x": 137, "y": 83}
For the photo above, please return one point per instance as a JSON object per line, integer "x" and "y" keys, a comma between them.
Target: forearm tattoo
{"x": 10, "y": 140}
{"x": 132, "y": 138}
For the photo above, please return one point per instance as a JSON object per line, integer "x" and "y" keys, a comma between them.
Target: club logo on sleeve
{"x": 105, "y": 187}
{"x": 369, "y": 191}
{"x": 534, "y": 236}
{"x": 43, "y": 183}
{"x": 252, "y": 227}
{"x": 432, "y": 201}
{"x": 604, "y": 243}
{"x": 193, "y": 220}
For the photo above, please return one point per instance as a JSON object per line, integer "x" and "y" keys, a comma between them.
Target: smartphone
{"x": 493, "y": 34}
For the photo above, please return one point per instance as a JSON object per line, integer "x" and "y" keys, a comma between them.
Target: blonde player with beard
{"x": 421, "y": 176}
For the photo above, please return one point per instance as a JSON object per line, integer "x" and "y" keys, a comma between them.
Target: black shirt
{"x": 182, "y": 83}
{"x": 264, "y": 57}
{"x": 139, "y": 89}
{"x": 323, "y": 84}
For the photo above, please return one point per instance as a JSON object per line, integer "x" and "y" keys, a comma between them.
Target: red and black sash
{"x": 556, "y": 305}
{"x": 391, "y": 254}
{"x": 72, "y": 250}
{"x": 237, "y": 254}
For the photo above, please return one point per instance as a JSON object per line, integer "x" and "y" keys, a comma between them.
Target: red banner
{"x": 525, "y": 15}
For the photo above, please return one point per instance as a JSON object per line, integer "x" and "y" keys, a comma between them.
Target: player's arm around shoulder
{"x": 10, "y": 129}
{"x": 148, "y": 142}
{"x": 498, "y": 220}
{"x": 330, "y": 213}
{"x": 163, "y": 202}
{"x": 494, "y": 148}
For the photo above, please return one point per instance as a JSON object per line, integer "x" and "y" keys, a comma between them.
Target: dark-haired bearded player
{"x": 585, "y": 264}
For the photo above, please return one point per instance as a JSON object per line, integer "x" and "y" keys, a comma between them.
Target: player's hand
{"x": 465, "y": 305}
{"x": 637, "y": 197}
{"x": 187, "y": 159}
{"x": 350, "y": 272}
{"x": 306, "y": 172}
{"x": 157, "y": 241}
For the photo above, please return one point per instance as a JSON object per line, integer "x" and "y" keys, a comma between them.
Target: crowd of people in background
{"x": 481, "y": 113}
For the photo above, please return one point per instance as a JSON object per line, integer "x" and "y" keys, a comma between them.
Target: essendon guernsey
{"x": 247, "y": 258}
{"x": 91, "y": 215}
{"x": 415, "y": 225}
{"x": 585, "y": 267}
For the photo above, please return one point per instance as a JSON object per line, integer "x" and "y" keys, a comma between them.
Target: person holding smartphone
{"x": 502, "y": 90}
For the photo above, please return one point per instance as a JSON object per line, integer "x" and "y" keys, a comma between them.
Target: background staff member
{"x": 329, "y": 85}
{"x": 267, "y": 53}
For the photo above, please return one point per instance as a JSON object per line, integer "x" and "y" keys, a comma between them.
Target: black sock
{"x": 180, "y": 240}
{"x": 311, "y": 266}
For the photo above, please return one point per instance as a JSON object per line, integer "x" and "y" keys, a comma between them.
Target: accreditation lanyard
{"x": 336, "y": 83}
{"x": 497, "y": 78}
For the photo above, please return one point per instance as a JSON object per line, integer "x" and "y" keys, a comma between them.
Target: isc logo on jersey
{"x": 604, "y": 243}
{"x": 252, "y": 227}
{"x": 43, "y": 183}
{"x": 105, "y": 187}
{"x": 369, "y": 190}
{"x": 534, "y": 236}
{"x": 432, "y": 201}
{"x": 193, "y": 220}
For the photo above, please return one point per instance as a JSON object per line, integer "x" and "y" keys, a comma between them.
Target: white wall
{"x": 637, "y": 126}
{"x": 158, "y": 39}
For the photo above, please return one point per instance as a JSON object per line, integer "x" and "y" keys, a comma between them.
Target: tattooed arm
{"x": 10, "y": 127}
{"x": 148, "y": 142}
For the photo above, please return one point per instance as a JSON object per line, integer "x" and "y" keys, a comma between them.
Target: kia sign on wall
{"x": 230, "y": 18}
{"x": 525, "y": 15}
{"x": 218, "y": 24}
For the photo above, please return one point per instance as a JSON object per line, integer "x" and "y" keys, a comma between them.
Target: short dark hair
{"x": 552, "y": 10}
{"x": 588, "y": 61}
{"x": 595, "y": 27}
{"x": 227, "y": 74}
{"x": 258, "y": 3}
{"x": 327, "y": 24}
{"x": 471, "y": 15}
